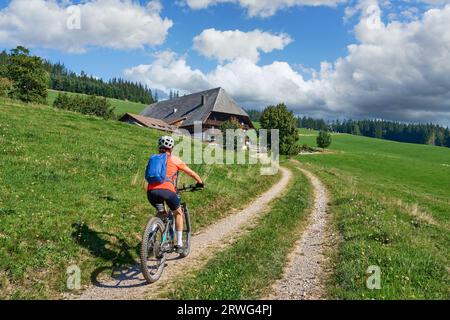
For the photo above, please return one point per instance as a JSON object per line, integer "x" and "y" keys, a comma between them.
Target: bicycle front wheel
{"x": 153, "y": 259}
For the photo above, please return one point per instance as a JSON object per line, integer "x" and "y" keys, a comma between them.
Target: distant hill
{"x": 63, "y": 79}
{"x": 120, "y": 106}
{"x": 428, "y": 133}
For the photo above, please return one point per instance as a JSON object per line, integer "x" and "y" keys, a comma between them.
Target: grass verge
{"x": 413, "y": 255}
{"x": 391, "y": 208}
{"x": 250, "y": 266}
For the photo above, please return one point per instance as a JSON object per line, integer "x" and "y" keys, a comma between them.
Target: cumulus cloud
{"x": 168, "y": 71}
{"x": 264, "y": 8}
{"x": 396, "y": 71}
{"x": 229, "y": 45}
{"x": 249, "y": 83}
{"x": 271, "y": 83}
{"x": 117, "y": 24}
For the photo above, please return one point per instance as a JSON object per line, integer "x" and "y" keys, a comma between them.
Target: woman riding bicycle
{"x": 160, "y": 193}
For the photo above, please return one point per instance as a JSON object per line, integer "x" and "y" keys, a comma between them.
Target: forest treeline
{"x": 430, "y": 134}
{"x": 62, "y": 79}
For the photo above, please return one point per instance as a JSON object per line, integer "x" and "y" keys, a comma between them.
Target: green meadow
{"x": 391, "y": 208}
{"x": 72, "y": 192}
{"x": 390, "y": 205}
{"x": 120, "y": 106}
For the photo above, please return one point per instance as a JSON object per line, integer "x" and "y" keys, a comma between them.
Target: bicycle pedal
{"x": 166, "y": 247}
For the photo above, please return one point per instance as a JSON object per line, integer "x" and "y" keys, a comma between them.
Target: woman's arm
{"x": 192, "y": 174}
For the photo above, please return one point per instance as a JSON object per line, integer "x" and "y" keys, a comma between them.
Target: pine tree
{"x": 324, "y": 139}
{"x": 355, "y": 130}
{"x": 279, "y": 117}
{"x": 66, "y": 80}
{"x": 447, "y": 138}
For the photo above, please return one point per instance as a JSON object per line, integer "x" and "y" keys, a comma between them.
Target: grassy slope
{"x": 248, "y": 269}
{"x": 71, "y": 192}
{"x": 391, "y": 206}
{"x": 120, "y": 106}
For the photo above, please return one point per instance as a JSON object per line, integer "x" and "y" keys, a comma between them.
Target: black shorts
{"x": 161, "y": 196}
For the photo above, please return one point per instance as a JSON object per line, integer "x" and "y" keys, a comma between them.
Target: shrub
{"x": 5, "y": 87}
{"x": 324, "y": 139}
{"x": 232, "y": 124}
{"x": 306, "y": 148}
{"x": 90, "y": 105}
{"x": 30, "y": 79}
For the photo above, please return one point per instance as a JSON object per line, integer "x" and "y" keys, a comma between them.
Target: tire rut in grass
{"x": 130, "y": 284}
{"x": 307, "y": 267}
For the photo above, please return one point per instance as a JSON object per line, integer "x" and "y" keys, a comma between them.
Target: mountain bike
{"x": 158, "y": 241}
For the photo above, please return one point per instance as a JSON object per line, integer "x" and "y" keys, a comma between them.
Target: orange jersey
{"x": 174, "y": 164}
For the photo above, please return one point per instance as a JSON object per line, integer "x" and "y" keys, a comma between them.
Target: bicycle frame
{"x": 169, "y": 220}
{"x": 169, "y": 226}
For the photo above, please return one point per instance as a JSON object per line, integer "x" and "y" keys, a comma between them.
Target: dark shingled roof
{"x": 190, "y": 107}
{"x": 147, "y": 122}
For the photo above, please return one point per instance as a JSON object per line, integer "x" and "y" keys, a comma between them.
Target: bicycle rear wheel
{"x": 186, "y": 233}
{"x": 153, "y": 259}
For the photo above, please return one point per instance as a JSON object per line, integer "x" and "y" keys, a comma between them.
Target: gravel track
{"x": 130, "y": 284}
{"x": 308, "y": 267}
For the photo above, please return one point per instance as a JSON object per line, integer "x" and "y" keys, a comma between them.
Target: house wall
{"x": 216, "y": 119}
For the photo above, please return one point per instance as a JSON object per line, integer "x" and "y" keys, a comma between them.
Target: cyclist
{"x": 159, "y": 193}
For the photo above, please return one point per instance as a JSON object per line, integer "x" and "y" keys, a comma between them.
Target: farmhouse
{"x": 211, "y": 108}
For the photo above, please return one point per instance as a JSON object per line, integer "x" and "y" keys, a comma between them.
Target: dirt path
{"x": 306, "y": 270}
{"x": 130, "y": 283}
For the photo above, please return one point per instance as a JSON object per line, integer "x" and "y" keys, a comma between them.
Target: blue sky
{"x": 319, "y": 34}
{"x": 284, "y": 51}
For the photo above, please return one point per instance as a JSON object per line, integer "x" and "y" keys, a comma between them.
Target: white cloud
{"x": 168, "y": 71}
{"x": 396, "y": 71}
{"x": 263, "y": 8}
{"x": 202, "y": 4}
{"x": 262, "y": 85}
{"x": 249, "y": 83}
{"x": 229, "y": 45}
{"x": 436, "y": 2}
{"x": 117, "y": 24}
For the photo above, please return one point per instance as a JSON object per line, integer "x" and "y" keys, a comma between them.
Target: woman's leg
{"x": 173, "y": 201}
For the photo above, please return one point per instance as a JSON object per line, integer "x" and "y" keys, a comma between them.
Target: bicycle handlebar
{"x": 191, "y": 188}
